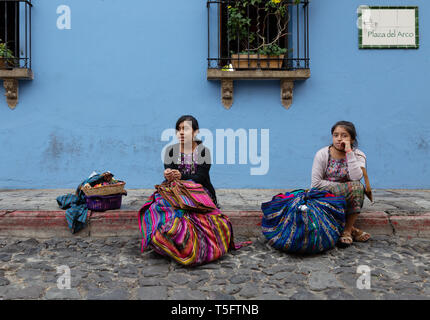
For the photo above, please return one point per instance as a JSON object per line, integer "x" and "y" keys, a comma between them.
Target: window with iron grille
{"x": 258, "y": 34}
{"x": 258, "y": 39}
{"x": 15, "y": 46}
{"x": 15, "y": 34}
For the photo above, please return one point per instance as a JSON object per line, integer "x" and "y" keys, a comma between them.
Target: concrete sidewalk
{"x": 35, "y": 213}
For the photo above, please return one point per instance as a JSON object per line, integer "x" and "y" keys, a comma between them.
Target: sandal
{"x": 360, "y": 235}
{"x": 345, "y": 240}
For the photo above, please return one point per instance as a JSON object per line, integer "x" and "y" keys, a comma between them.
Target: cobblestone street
{"x": 114, "y": 268}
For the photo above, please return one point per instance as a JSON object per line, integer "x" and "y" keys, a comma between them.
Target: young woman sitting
{"x": 188, "y": 237}
{"x": 338, "y": 169}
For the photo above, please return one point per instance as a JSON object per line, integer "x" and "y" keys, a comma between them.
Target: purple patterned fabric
{"x": 187, "y": 163}
{"x": 337, "y": 170}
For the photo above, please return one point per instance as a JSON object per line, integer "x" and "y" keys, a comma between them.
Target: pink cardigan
{"x": 355, "y": 160}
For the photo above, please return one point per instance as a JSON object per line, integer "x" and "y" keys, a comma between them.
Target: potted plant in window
{"x": 255, "y": 47}
{"x": 7, "y": 59}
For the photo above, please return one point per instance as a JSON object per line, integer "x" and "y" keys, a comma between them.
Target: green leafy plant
{"x": 238, "y": 24}
{"x": 257, "y": 41}
{"x": 272, "y": 50}
{"x": 6, "y": 55}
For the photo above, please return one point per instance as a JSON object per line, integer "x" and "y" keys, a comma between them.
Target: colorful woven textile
{"x": 303, "y": 221}
{"x": 192, "y": 196}
{"x": 352, "y": 191}
{"x": 187, "y": 237}
{"x": 187, "y": 195}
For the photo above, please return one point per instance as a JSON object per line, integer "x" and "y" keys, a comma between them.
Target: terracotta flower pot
{"x": 3, "y": 64}
{"x": 241, "y": 61}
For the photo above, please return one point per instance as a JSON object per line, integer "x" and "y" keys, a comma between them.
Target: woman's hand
{"x": 176, "y": 174}
{"x": 168, "y": 174}
{"x": 347, "y": 145}
{"x": 171, "y": 175}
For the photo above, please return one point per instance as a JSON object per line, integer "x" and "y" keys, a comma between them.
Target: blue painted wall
{"x": 105, "y": 90}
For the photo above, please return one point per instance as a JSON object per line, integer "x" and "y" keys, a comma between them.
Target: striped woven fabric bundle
{"x": 304, "y": 221}
{"x": 186, "y": 195}
{"x": 196, "y": 193}
{"x": 187, "y": 237}
{"x": 167, "y": 193}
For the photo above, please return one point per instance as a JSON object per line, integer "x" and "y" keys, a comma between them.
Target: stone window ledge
{"x": 10, "y": 79}
{"x": 286, "y": 77}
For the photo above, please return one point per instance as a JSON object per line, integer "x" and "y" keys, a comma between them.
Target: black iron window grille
{"x": 258, "y": 34}
{"x": 15, "y": 34}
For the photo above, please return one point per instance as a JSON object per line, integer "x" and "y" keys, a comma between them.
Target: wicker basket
{"x": 103, "y": 203}
{"x": 105, "y": 190}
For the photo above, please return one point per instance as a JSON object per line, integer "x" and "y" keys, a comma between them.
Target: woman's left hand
{"x": 177, "y": 174}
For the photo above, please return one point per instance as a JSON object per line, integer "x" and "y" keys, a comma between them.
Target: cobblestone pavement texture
{"x": 115, "y": 269}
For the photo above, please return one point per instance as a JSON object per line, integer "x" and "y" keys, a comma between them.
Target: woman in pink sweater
{"x": 337, "y": 169}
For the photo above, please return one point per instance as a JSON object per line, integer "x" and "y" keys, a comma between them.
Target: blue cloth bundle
{"x": 304, "y": 221}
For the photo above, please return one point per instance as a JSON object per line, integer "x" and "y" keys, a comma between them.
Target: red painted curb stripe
{"x": 243, "y": 215}
{"x": 119, "y": 221}
{"x": 411, "y": 221}
{"x": 3, "y": 212}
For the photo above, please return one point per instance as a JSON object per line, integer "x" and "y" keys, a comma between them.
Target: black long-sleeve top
{"x": 203, "y": 165}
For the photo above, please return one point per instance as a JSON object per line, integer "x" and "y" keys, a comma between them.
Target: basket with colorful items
{"x": 105, "y": 194}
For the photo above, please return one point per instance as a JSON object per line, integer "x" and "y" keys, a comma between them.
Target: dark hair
{"x": 194, "y": 124}
{"x": 193, "y": 120}
{"x": 350, "y": 128}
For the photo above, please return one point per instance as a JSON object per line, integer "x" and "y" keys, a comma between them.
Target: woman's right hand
{"x": 346, "y": 144}
{"x": 168, "y": 174}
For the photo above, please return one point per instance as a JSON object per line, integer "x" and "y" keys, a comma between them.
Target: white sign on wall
{"x": 388, "y": 27}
